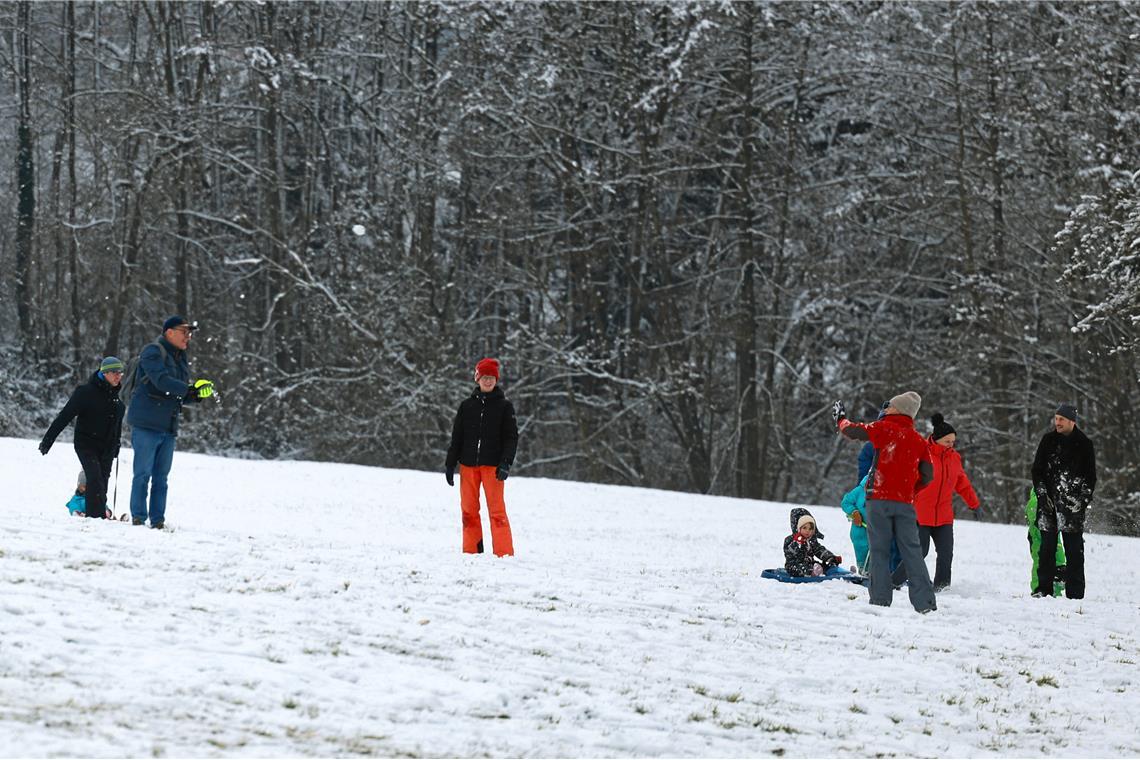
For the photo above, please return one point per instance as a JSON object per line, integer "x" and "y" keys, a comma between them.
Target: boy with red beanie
{"x": 484, "y": 438}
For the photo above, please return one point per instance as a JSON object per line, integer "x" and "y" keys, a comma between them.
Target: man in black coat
{"x": 1064, "y": 477}
{"x": 484, "y": 438}
{"x": 98, "y": 415}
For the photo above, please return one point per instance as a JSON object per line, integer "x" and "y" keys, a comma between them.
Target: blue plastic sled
{"x": 781, "y": 575}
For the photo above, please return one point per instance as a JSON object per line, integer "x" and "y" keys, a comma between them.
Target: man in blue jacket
{"x": 161, "y": 386}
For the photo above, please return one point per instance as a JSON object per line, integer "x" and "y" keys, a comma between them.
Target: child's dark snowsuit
{"x": 801, "y": 553}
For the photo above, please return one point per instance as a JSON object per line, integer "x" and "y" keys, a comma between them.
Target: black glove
{"x": 45, "y": 447}
{"x": 838, "y": 412}
{"x": 501, "y": 473}
{"x": 977, "y": 512}
{"x": 450, "y": 475}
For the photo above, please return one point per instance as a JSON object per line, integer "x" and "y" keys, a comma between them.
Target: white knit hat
{"x": 907, "y": 403}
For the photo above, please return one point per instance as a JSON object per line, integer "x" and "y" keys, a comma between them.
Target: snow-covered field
{"x": 302, "y": 609}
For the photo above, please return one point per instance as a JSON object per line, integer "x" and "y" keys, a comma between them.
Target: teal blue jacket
{"x": 855, "y": 500}
{"x": 78, "y": 503}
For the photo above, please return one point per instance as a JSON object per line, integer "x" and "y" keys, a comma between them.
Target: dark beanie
{"x": 942, "y": 428}
{"x": 1068, "y": 411}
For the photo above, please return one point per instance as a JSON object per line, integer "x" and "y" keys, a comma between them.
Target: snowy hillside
{"x": 318, "y": 609}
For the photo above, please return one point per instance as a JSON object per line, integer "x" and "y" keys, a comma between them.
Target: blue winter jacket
{"x": 78, "y": 503}
{"x": 866, "y": 459}
{"x": 160, "y": 389}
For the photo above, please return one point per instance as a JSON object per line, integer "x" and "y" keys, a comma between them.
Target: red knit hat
{"x": 487, "y": 367}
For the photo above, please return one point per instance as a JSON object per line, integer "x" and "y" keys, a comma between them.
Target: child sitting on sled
{"x": 804, "y": 555}
{"x": 78, "y": 503}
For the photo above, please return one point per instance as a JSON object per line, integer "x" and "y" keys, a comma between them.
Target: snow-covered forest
{"x": 685, "y": 228}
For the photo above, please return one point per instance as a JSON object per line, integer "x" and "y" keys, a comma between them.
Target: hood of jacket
{"x": 103, "y": 385}
{"x": 794, "y": 519}
{"x": 497, "y": 392}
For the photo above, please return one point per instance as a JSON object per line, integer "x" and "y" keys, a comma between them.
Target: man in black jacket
{"x": 98, "y": 415}
{"x": 484, "y": 438}
{"x": 1064, "y": 476}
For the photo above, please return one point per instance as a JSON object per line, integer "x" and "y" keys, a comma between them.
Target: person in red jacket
{"x": 934, "y": 505}
{"x": 901, "y": 468}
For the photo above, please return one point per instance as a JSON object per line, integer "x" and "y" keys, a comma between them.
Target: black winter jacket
{"x": 98, "y": 415}
{"x": 1065, "y": 470}
{"x": 801, "y": 553}
{"x": 485, "y": 431}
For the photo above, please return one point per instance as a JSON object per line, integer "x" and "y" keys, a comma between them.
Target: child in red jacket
{"x": 934, "y": 505}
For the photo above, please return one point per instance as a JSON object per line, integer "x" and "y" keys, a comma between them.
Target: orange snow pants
{"x": 470, "y": 478}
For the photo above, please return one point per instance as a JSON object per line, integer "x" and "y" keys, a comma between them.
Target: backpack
{"x": 131, "y": 378}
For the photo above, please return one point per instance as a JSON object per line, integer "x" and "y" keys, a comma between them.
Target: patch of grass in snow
{"x": 700, "y": 691}
{"x": 773, "y": 728}
{"x": 85, "y": 564}
{"x": 895, "y": 719}
{"x": 540, "y": 653}
{"x": 641, "y": 709}
{"x": 403, "y": 651}
{"x": 362, "y": 745}
{"x": 696, "y": 718}
{"x": 1040, "y": 681}
{"x": 857, "y": 710}
{"x": 290, "y": 704}
{"x": 989, "y": 675}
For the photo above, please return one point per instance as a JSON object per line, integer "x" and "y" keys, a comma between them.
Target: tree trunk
{"x": 25, "y": 177}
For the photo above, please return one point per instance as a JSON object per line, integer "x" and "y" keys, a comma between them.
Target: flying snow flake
{"x": 358, "y": 229}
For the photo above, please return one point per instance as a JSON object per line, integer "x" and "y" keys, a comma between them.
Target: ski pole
{"x": 115, "y": 496}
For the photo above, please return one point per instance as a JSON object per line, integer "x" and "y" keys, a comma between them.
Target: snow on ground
{"x": 302, "y": 609}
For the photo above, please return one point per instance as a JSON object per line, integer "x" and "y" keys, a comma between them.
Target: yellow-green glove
{"x": 204, "y": 388}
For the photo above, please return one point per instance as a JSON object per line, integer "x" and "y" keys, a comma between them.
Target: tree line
{"x": 684, "y": 227}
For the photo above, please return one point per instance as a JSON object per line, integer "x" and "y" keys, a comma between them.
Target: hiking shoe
{"x": 137, "y": 521}
{"x": 157, "y": 525}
